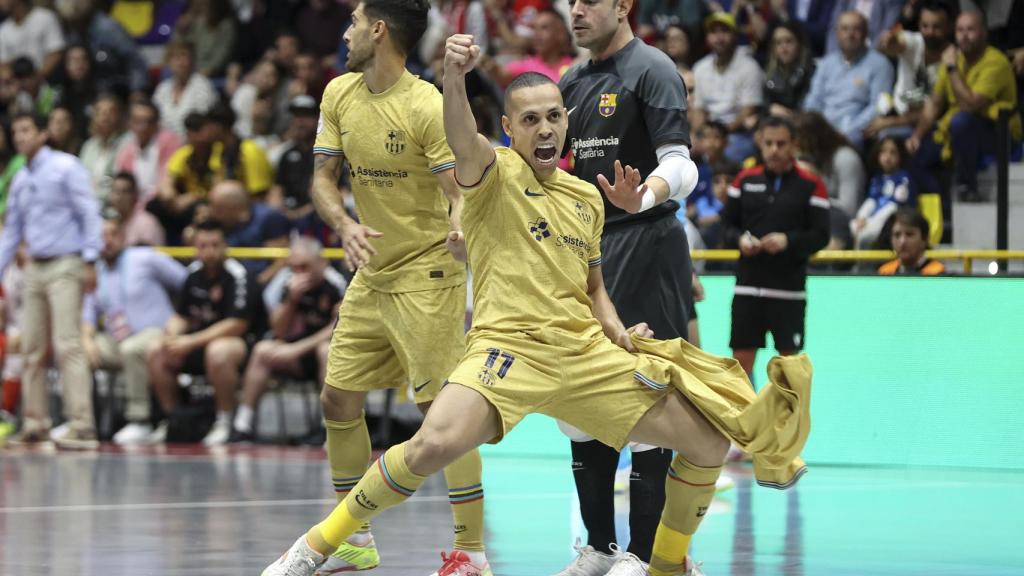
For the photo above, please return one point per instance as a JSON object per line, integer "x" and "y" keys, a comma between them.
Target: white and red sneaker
{"x": 460, "y": 564}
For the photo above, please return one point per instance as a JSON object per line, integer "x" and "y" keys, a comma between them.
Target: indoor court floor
{"x": 182, "y": 511}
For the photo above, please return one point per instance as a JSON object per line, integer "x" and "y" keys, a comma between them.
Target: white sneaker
{"x": 299, "y": 560}
{"x": 159, "y": 436}
{"x": 588, "y": 562}
{"x": 693, "y": 568}
{"x": 627, "y": 564}
{"x": 133, "y": 433}
{"x": 219, "y": 434}
{"x": 60, "y": 431}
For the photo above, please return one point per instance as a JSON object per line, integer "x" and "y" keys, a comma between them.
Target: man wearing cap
{"x": 729, "y": 87}
{"x": 290, "y": 193}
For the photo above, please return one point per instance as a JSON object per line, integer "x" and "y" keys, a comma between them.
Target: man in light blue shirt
{"x": 51, "y": 208}
{"x": 848, "y": 82}
{"x": 128, "y": 311}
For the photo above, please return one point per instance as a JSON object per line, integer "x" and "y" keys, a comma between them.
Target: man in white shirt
{"x": 32, "y": 32}
{"x": 184, "y": 91}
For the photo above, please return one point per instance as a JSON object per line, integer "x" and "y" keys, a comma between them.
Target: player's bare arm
{"x": 330, "y": 205}
{"x": 473, "y": 152}
{"x": 455, "y": 241}
{"x": 604, "y": 311}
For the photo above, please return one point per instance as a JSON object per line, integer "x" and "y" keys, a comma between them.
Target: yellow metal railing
{"x": 967, "y": 257}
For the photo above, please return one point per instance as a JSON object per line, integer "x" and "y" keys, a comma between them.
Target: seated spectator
{"x": 909, "y": 242}
{"x": 286, "y": 50}
{"x": 76, "y": 87}
{"x": 249, "y": 224}
{"x": 708, "y": 149}
{"x": 10, "y": 162}
{"x": 958, "y": 122}
{"x": 32, "y": 92}
{"x": 147, "y": 149}
{"x": 814, "y": 17}
{"x": 33, "y": 32}
{"x": 878, "y": 16}
{"x": 120, "y": 67}
{"x": 236, "y": 158}
{"x": 729, "y": 85}
{"x": 789, "y": 72}
{"x": 100, "y": 150}
{"x": 263, "y": 93}
{"x": 831, "y": 157}
{"x": 185, "y": 91}
{"x": 889, "y": 190}
{"x": 302, "y": 300}
{"x": 308, "y": 76}
{"x": 709, "y": 207}
{"x": 291, "y": 192}
{"x": 657, "y": 17}
{"x": 189, "y": 177}
{"x": 207, "y": 333}
{"x": 140, "y": 227}
{"x": 552, "y": 51}
{"x": 849, "y": 81}
{"x": 917, "y": 55}
{"x": 135, "y": 287}
{"x": 209, "y": 26}
{"x": 677, "y": 45}
{"x": 61, "y": 129}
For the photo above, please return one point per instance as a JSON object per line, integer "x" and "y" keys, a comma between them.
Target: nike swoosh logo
{"x": 345, "y": 132}
{"x": 533, "y": 194}
{"x": 569, "y": 113}
{"x": 421, "y": 386}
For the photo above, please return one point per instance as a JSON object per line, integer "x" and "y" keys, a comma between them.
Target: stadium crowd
{"x": 193, "y": 124}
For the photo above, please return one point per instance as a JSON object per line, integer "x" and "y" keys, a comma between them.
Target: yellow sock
{"x": 466, "y": 494}
{"x": 387, "y": 483}
{"x": 348, "y": 451}
{"x": 688, "y": 493}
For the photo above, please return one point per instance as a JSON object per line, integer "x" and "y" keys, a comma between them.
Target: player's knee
{"x": 340, "y": 405}
{"x": 427, "y": 452}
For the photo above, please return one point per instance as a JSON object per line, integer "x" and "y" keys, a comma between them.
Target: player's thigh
{"x": 674, "y": 422}
{"x": 606, "y": 390}
{"x": 361, "y": 357}
{"x": 427, "y": 331}
{"x": 786, "y": 322}
{"x": 460, "y": 419}
{"x": 748, "y": 323}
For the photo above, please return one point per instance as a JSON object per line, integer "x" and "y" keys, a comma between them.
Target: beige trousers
{"x": 130, "y": 355}
{"x": 53, "y": 311}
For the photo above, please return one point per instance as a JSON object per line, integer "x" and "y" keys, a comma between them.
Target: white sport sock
{"x": 243, "y": 419}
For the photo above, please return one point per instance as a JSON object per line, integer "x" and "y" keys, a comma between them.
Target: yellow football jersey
{"x": 531, "y": 245}
{"x": 395, "y": 144}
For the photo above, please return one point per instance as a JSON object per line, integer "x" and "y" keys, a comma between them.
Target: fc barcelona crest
{"x": 395, "y": 142}
{"x": 607, "y": 104}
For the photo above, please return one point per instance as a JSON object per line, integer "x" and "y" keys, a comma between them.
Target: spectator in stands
{"x": 264, "y": 93}
{"x": 10, "y": 162}
{"x": 833, "y": 159}
{"x": 209, "y": 27}
{"x": 119, "y": 66}
{"x": 889, "y": 190}
{"x": 319, "y": 23}
{"x": 917, "y": 55}
{"x": 777, "y": 215}
{"x": 32, "y": 92}
{"x": 789, "y": 72}
{"x": 147, "y": 149}
{"x": 207, "y": 333}
{"x": 878, "y": 16}
{"x": 250, "y": 224}
{"x": 185, "y": 91}
{"x": 52, "y": 209}
{"x": 76, "y": 87}
{"x": 302, "y": 301}
{"x": 140, "y": 228}
{"x": 958, "y": 122}
{"x": 709, "y": 207}
{"x": 33, "y": 32}
{"x": 8, "y": 91}
{"x": 814, "y": 17}
{"x": 236, "y": 158}
{"x": 677, "y": 44}
{"x": 708, "y": 149}
{"x": 100, "y": 150}
{"x": 188, "y": 179}
{"x": 134, "y": 290}
{"x": 286, "y": 49}
{"x": 291, "y": 192}
{"x": 849, "y": 81}
{"x": 910, "y": 242}
{"x": 656, "y": 17}
{"x": 729, "y": 86}
{"x": 552, "y": 51}
{"x": 512, "y": 22}
{"x": 308, "y": 77}
{"x": 61, "y": 129}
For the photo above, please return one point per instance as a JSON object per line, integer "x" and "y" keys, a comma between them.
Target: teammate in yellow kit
{"x": 401, "y": 322}
{"x": 546, "y": 338}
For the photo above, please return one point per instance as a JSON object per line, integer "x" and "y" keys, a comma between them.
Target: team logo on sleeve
{"x": 395, "y": 142}
{"x": 606, "y": 106}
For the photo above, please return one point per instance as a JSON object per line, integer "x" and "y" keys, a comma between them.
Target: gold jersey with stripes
{"x": 531, "y": 244}
{"x": 395, "y": 146}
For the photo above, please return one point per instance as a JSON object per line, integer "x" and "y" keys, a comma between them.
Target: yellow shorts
{"x": 384, "y": 340}
{"x": 599, "y": 388}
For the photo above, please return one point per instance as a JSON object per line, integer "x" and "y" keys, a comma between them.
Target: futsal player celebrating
{"x": 549, "y": 341}
{"x": 401, "y": 322}
{"x": 628, "y": 103}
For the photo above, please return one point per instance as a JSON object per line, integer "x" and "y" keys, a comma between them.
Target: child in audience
{"x": 889, "y": 190}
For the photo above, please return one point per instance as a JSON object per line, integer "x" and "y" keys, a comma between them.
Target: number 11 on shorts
{"x": 506, "y": 361}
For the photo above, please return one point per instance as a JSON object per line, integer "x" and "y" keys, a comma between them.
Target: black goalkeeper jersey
{"x": 624, "y": 108}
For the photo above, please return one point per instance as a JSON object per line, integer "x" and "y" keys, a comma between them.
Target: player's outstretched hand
{"x": 460, "y": 54}
{"x": 642, "y": 330}
{"x": 456, "y": 243}
{"x": 355, "y": 239}
{"x": 626, "y": 193}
